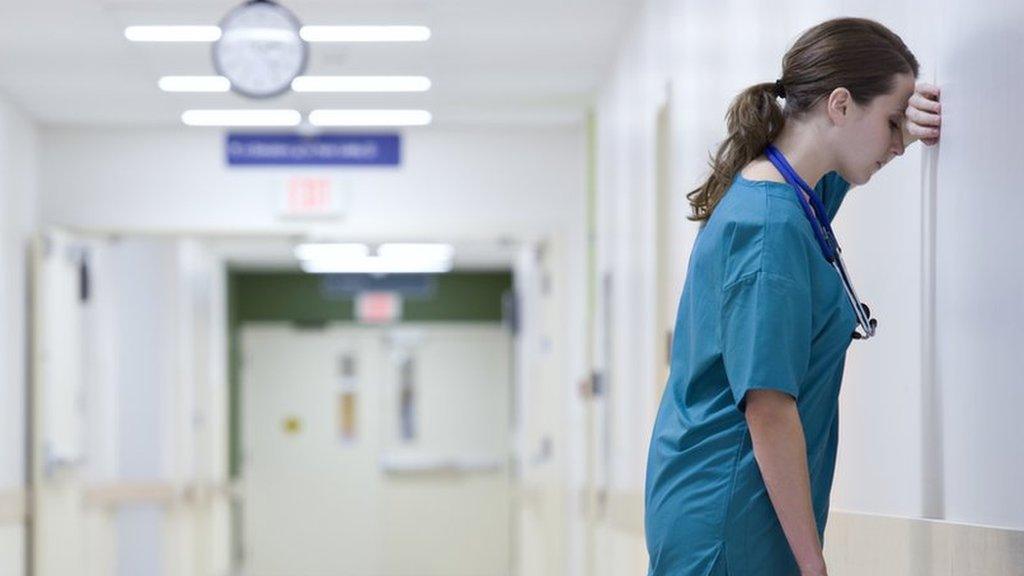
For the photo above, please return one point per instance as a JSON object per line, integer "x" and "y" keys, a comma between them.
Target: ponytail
{"x": 754, "y": 120}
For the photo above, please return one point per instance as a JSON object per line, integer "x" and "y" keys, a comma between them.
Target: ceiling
{"x": 491, "y": 62}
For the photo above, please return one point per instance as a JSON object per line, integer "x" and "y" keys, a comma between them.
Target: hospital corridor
{"x": 434, "y": 288}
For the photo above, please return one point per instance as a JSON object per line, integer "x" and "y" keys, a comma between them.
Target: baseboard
{"x": 858, "y": 544}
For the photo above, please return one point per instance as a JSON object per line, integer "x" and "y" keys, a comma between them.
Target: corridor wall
{"x": 972, "y": 436}
{"x": 18, "y": 217}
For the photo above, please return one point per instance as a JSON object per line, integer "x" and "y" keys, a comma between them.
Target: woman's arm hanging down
{"x": 781, "y": 454}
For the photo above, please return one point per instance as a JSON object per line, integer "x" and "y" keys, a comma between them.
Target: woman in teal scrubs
{"x": 744, "y": 447}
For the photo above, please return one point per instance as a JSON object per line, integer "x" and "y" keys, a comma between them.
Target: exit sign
{"x": 378, "y": 307}
{"x": 310, "y": 197}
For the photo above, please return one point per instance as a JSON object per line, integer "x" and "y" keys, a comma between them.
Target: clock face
{"x": 260, "y": 50}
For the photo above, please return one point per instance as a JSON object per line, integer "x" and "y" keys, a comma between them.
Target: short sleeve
{"x": 766, "y": 334}
{"x": 833, "y": 191}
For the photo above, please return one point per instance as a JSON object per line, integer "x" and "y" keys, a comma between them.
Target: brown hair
{"x": 856, "y": 53}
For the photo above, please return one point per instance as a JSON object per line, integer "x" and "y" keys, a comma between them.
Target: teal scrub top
{"x": 761, "y": 308}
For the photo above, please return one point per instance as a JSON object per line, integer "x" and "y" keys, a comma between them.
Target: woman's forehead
{"x": 905, "y": 84}
{"x": 896, "y": 101}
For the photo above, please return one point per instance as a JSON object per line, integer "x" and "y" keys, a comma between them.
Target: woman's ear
{"x": 838, "y": 105}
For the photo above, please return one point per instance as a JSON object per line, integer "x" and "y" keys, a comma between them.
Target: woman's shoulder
{"x": 758, "y": 204}
{"x": 758, "y": 226}
{"x": 777, "y": 202}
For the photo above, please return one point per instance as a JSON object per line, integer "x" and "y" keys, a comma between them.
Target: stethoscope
{"x": 818, "y": 217}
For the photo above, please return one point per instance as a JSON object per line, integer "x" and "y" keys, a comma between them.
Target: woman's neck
{"x": 800, "y": 143}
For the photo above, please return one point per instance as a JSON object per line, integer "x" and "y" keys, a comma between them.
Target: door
{"x": 124, "y": 467}
{"x": 66, "y": 537}
{"x": 376, "y": 450}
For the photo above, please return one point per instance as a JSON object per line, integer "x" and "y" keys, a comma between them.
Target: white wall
{"x": 979, "y": 322}
{"x": 926, "y": 428}
{"x": 18, "y": 160}
{"x": 466, "y": 182}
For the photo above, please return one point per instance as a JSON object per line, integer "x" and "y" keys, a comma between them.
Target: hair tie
{"x": 780, "y": 90}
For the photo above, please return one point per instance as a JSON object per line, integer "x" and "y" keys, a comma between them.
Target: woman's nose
{"x": 897, "y": 145}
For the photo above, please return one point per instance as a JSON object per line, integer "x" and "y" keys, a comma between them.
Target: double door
{"x": 376, "y": 450}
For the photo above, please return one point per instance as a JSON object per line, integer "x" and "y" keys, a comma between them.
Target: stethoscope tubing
{"x": 818, "y": 218}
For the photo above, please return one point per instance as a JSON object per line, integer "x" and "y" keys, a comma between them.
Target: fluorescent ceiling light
{"x": 376, "y": 265}
{"x": 308, "y": 33}
{"x": 365, "y": 33}
{"x": 361, "y": 84}
{"x": 325, "y": 251}
{"x": 417, "y": 251}
{"x": 390, "y": 258}
{"x": 194, "y": 84}
{"x": 241, "y": 117}
{"x": 305, "y": 84}
{"x": 172, "y": 33}
{"x": 369, "y": 117}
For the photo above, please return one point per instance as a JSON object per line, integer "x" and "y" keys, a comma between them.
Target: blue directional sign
{"x": 320, "y": 150}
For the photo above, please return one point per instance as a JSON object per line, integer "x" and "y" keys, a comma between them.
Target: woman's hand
{"x": 923, "y": 117}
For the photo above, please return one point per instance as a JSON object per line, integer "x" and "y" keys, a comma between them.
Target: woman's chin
{"x": 869, "y": 173}
{"x": 860, "y": 180}
{"x": 857, "y": 178}
{"x": 876, "y": 167}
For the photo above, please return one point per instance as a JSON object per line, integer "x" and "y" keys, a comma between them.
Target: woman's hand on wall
{"x": 923, "y": 116}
